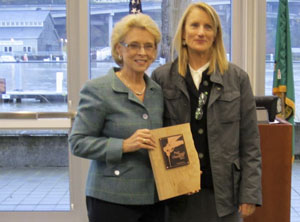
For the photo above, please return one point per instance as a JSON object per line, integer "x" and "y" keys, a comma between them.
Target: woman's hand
{"x": 141, "y": 139}
{"x": 195, "y": 191}
{"x": 246, "y": 209}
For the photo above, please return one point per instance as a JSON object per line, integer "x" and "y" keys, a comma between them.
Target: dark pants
{"x": 102, "y": 211}
{"x": 199, "y": 207}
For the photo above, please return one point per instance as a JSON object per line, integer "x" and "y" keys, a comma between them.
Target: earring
{"x": 120, "y": 57}
{"x": 183, "y": 42}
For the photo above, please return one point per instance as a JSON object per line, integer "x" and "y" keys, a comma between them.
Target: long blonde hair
{"x": 218, "y": 57}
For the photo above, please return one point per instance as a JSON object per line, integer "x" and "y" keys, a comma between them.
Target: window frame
{"x": 248, "y": 51}
{"x": 77, "y": 33}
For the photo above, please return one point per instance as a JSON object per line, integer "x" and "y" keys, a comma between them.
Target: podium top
{"x": 278, "y": 121}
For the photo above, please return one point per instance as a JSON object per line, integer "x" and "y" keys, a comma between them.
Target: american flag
{"x": 135, "y": 7}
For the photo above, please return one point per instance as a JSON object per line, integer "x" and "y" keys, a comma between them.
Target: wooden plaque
{"x": 175, "y": 162}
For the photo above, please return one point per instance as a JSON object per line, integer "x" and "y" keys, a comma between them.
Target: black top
{"x": 199, "y": 127}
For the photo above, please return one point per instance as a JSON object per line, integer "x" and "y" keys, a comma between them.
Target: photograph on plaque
{"x": 174, "y": 151}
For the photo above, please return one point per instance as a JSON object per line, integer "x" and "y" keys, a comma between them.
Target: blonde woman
{"x": 201, "y": 87}
{"x": 112, "y": 128}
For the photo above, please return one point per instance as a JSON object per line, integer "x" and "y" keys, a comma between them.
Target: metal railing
{"x": 37, "y": 115}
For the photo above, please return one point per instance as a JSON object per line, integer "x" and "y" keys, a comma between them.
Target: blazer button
{"x": 200, "y": 131}
{"x": 145, "y": 116}
{"x": 205, "y": 83}
{"x": 117, "y": 172}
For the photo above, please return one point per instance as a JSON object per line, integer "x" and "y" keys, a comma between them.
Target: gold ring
{"x": 144, "y": 140}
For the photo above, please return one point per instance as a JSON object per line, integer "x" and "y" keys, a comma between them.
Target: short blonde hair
{"x": 218, "y": 58}
{"x": 125, "y": 25}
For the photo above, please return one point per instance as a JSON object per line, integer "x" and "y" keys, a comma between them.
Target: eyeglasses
{"x": 201, "y": 102}
{"x": 136, "y": 47}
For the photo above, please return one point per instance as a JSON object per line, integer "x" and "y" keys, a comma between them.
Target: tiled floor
{"x": 47, "y": 189}
{"x": 34, "y": 189}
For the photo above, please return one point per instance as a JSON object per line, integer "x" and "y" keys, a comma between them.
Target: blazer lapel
{"x": 179, "y": 80}
{"x": 118, "y": 86}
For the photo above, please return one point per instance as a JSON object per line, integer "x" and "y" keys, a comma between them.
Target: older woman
{"x": 112, "y": 128}
{"x": 215, "y": 96}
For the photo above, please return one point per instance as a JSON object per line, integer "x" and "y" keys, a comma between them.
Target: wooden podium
{"x": 276, "y": 149}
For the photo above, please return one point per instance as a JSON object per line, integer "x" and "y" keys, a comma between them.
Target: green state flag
{"x": 283, "y": 81}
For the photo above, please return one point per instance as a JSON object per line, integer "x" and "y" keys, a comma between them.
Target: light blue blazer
{"x": 108, "y": 113}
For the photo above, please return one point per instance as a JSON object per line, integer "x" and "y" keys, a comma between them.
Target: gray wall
{"x": 34, "y": 150}
{"x": 50, "y": 149}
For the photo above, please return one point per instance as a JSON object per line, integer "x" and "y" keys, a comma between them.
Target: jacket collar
{"x": 178, "y": 79}
{"x": 118, "y": 86}
{"x": 217, "y": 79}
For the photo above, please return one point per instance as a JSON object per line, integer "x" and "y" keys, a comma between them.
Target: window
{"x": 77, "y": 45}
{"x": 100, "y": 32}
{"x": 33, "y": 70}
{"x": 101, "y": 25}
{"x": 32, "y": 81}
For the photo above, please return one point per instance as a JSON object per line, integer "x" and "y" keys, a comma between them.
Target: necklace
{"x": 139, "y": 93}
{"x": 129, "y": 86}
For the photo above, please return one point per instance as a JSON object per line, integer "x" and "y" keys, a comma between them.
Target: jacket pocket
{"x": 236, "y": 178}
{"x": 171, "y": 94}
{"x": 228, "y": 106}
{"x": 172, "y": 99}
